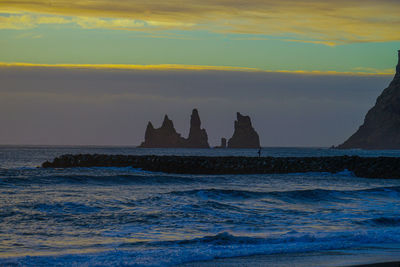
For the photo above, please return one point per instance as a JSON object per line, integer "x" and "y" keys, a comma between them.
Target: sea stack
{"x": 167, "y": 137}
{"x": 163, "y": 137}
{"x": 244, "y": 135}
{"x": 223, "y": 143}
{"x": 197, "y": 137}
{"x": 381, "y": 127}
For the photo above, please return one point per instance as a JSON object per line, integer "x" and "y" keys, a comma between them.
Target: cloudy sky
{"x": 94, "y": 72}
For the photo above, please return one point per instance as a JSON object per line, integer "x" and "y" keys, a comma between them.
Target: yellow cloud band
{"x": 166, "y": 67}
{"x": 326, "y": 22}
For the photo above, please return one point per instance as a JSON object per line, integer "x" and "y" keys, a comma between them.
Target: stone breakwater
{"x": 368, "y": 167}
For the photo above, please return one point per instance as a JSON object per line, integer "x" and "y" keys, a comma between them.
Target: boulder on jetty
{"x": 167, "y": 137}
{"x": 244, "y": 135}
{"x": 381, "y": 127}
{"x": 368, "y": 167}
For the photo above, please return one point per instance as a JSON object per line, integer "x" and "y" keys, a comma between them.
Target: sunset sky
{"x": 335, "y": 56}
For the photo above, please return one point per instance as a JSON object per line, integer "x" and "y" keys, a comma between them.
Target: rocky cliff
{"x": 381, "y": 127}
{"x": 244, "y": 135}
{"x": 167, "y": 137}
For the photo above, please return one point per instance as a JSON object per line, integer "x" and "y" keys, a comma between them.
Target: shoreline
{"x": 379, "y": 264}
{"x": 367, "y": 167}
{"x": 259, "y": 261}
{"x": 356, "y": 257}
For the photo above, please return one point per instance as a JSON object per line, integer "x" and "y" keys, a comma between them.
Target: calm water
{"x": 127, "y": 217}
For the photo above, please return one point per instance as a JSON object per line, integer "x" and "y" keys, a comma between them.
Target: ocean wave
{"x": 356, "y": 237}
{"x": 345, "y": 173}
{"x": 219, "y": 193}
{"x": 221, "y": 245}
{"x": 66, "y": 207}
{"x": 104, "y": 178}
{"x": 382, "y": 222}
{"x": 305, "y": 195}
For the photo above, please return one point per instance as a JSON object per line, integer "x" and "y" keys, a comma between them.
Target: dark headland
{"x": 381, "y": 127}
{"x": 368, "y": 167}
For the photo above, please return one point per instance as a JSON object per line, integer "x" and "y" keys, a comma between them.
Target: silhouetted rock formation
{"x": 223, "y": 142}
{"x": 244, "y": 135}
{"x": 381, "y": 128}
{"x": 167, "y": 137}
{"x": 197, "y": 137}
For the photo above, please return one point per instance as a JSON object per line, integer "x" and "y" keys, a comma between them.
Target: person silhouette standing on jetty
{"x": 259, "y": 152}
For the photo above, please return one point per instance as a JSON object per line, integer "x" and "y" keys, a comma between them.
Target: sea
{"x": 129, "y": 217}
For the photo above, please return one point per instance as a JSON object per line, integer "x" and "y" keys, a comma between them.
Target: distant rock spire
{"x": 195, "y": 122}
{"x": 197, "y": 137}
{"x": 244, "y": 135}
{"x": 381, "y": 127}
{"x": 167, "y": 123}
{"x": 149, "y": 131}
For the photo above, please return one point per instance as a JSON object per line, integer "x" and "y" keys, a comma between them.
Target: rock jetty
{"x": 167, "y": 137}
{"x": 368, "y": 167}
{"x": 381, "y": 127}
{"x": 244, "y": 135}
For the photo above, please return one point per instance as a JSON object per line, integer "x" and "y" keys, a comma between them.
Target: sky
{"x": 94, "y": 72}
